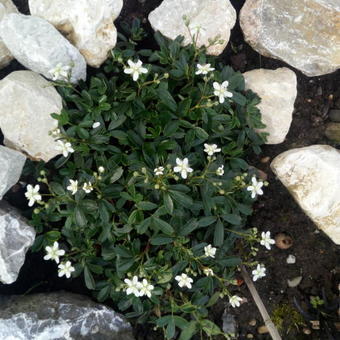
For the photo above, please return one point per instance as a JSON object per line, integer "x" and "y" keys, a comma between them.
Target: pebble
{"x": 252, "y": 322}
{"x": 332, "y": 132}
{"x": 291, "y": 259}
{"x": 294, "y": 282}
{"x": 283, "y": 241}
{"x": 334, "y": 115}
{"x": 262, "y": 330}
{"x": 315, "y": 324}
{"x": 250, "y": 336}
{"x": 306, "y": 331}
{"x": 265, "y": 159}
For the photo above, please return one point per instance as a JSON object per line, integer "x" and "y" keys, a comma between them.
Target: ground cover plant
{"x": 152, "y": 191}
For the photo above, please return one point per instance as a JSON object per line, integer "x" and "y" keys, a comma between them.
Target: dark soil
{"x": 316, "y": 255}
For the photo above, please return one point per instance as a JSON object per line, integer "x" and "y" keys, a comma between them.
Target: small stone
{"x": 6, "y": 6}
{"x": 11, "y": 164}
{"x": 334, "y": 115}
{"x": 306, "y": 331}
{"x": 283, "y": 241}
{"x": 294, "y": 282}
{"x": 315, "y": 324}
{"x": 16, "y": 236}
{"x": 229, "y": 325}
{"x": 332, "y": 132}
{"x": 265, "y": 159}
{"x": 262, "y": 329}
{"x": 60, "y": 315}
{"x": 291, "y": 259}
{"x": 92, "y": 32}
{"x": 27, "y": 101}
{"x": 212, "y": 19}
{"x": 252, "y": 322}
{"x": 250, "y": 336}
{"x": 277, "y": 90}
{"x": 37, "y": 45}
{"x": 304, "y": 34}
{"x": 310, "y": 173}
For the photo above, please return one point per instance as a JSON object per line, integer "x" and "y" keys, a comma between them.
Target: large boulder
{"x": 211, "y": 18}
{"x": 38, "y": 45}
{"x": 311, "y": 174}
{"x": 6, "y": 6}
{"x": 16, "y": 236}
{"x": 277, "y": 90}
{"x": 92, "y": 32}
{"x": 304, "y": 34}
{"x": 60, "y": 315}
{"x": 11, "y": 164}
{"x": 27, "y": 101}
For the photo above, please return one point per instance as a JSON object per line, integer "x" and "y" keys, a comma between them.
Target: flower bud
{"x": 36, "y": 211}
{"x": 101, "y": 169}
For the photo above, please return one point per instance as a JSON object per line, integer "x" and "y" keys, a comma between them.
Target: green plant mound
{"x": 134, "y": 214}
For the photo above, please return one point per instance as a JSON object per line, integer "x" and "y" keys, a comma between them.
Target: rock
{"x": 283, "y": 241}
{"x": 16, "y": 236}
{"x": 26, "y": 126}
{"x": 229, "y": 324}
{"x": 37, "y": 45}
{"x": 312, "y": 173}
{"x": 304, "y": 34}
{"x": 93, "y": 32}
{"x": 277, "y": 90}
{"x": 212, "y": 18}
{"x": 291, "y": 259}
{"x": 252, "y": 322}
{"x": 11, "y": 164}
{"x": 294, "y": 282}
{"x": 262, "y": 329}
{"x": 334, "y": 115}
{"x": 6, "y": 6}
{"x": 60, "y": 315}
{"x": 332, "y": 132}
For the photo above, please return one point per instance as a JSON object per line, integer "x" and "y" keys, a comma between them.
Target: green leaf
{"x": 219, "y": 234}
{"x": 210, "y": 328}
{"x": 206, "y": 221}
{"x": 89, "y": 280}
{"x": 147, "y": 205}
{"x": 161, "y": 240}
{"x": 80, "y": 216}
{"x": 57, "y": 188}
{"x": 165, "y": 227}
{"x": 188, "y": 227}
{"x": 117, "y": 174}
{"x": 182, "y": 199}
{"x": 232, "y": 219}
{"x": 170, "y": 329}
{"x": 213, "y": 299}
{"x": 168, "y": 203}
{"x": 167, "y": 99}
{"x": 201, "y": 134}
{"x": 189, "y": 331}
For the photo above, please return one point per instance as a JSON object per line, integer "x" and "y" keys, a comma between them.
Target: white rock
{"x": 37, "y": 45}
{"x": 6, "y": 6}
{"x": 305, "y": 34}
{"x": 292, "y": 283}
{"x": 92, "y": 32}
{"x": 213, "y": 18}
{"x": 277, "y": 90}
{"x": 16, "y": 236}
{"x": 312, "y": 175}
{"x": 11, "y": 164}
{"x": 291, "y": 259}
{"x": 27, "y": 101}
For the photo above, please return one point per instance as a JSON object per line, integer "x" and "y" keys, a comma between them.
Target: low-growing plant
{"x": 152, "y": 190}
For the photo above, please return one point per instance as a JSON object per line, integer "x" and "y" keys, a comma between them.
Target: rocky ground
{"x": 316, "y": 256}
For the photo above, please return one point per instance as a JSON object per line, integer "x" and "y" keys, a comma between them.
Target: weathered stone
{"x": 60, "y": 315}
{"x": 334, "y": 115}
{"x": 304, "y": 34}
{"x": 37, "y": 45}
{"x": 212, "y": 18}
{"x": 332, "y": 132}
{"x": 16, "y": 236}
{"x": 27, "y": 101}
{"x": 92, "y": 32}
{"x": 6, "y": 6}
{"x": 311, "y": 174}
{"x": 11, "y": 164}
{"x": 277, "y": 90}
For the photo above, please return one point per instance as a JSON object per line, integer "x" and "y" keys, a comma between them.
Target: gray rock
{"x": 334, "y": 115}
{"x": 60, "y": 316}
{"x": 37, "y": 45}
{"x": 332, "y": 132}
{"x": 16, "y": 236}
{"x": 304, "y": 34}
{"x": 11, "y": 164}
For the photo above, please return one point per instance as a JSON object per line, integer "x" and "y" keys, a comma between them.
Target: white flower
{"x": 95, "y": 125}
{"x": 133, "y": 286}
{"x": 210, "y": 149}
{"x": 60, "y": 72}
{"x": 101, "y": 169}
{"x": 183, "y": 167}
{"x": 209, "y": 251}
{"x": 220, "y": 171}
{"x": 54, "y": 252}
{"x": 73, "y": 187}
{"x": 204, "y": 69}
{"x": 235, "y": 301}
{"x": 64, "y": 147}
{"x": 146, "y": 288}
{"x": 259, "y": 272}
{"x": 221, "y": 91}
{"x": 159, "y": 171}
{"x": 208, "y": 272}
{"x": 87, "y": 187}
{"x": 32, "y": 194}
{"x": 184, "y": 280}
{"x": 65, "y": 268}
{"x": 255, "y": 188}
{"x": 266, "y": 240}
{"x": 135, "y": 69}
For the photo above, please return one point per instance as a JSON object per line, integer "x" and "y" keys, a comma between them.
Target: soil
{"x": 276, "y": 211}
